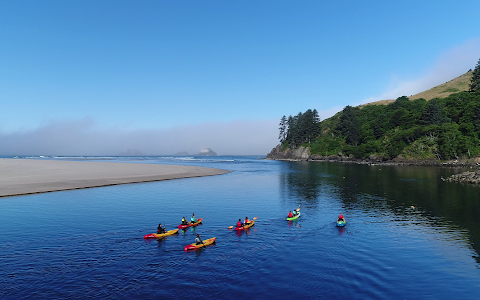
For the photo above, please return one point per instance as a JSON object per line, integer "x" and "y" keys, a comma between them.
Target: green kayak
{"x": 294, "y": 218}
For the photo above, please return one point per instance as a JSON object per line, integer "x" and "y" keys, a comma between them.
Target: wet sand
{"x": 25, "y": 176}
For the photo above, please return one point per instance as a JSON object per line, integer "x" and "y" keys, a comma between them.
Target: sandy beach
{"x": 25, "y": 176}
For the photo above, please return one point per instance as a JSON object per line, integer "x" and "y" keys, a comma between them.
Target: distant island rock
{"x": 131, "y": 152}
{"x": 207, "y": 152}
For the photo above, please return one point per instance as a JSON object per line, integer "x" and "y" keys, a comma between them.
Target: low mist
{"x": 83, "y": 137}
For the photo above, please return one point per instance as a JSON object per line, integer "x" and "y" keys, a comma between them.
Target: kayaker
{"x": 340, "y": 218}
{"x": 198, "y": 240}
{"x": 184, "y": 221}
{"x": 297, "y": 210}
{"x": 290, "y": 215}
{"x": 161, "y": 230}
{"x": 193, "y": 219}
{"x": 239, "y": 223}
{"x": 246, "y": 221}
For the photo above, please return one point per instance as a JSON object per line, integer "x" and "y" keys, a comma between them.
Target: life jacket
{"x": 239, "y": 224}
{"x": 193, "y": 219}
{"x": 290, "y": 215}
{"x": 246, "y": 221}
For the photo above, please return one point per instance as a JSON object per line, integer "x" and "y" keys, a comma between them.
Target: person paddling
{"x": 290, "y": 215}
{"x": 340, "y": 218}
{"x": 246, "y": 222}
{"x": 297, "y": 210}
{"x": 184, "y": 221}
{"x": 160, "y": 229}
{"x": 239, "y": 223}
{"x": 193, "y": 219}
{"x": 198, "y": 240}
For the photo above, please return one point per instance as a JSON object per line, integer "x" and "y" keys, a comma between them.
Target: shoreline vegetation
{"x": 28, "y": 176}
{"x": 438, "y": 127}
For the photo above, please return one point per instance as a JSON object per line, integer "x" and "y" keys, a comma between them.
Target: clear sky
{"x": 101, "y": 77}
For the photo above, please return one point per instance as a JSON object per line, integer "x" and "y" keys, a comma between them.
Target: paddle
{"x": 230, "y": 227}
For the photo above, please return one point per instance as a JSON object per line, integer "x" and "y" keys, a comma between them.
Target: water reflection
{"x": 405, "y": 193}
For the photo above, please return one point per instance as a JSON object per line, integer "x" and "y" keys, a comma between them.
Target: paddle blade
{"x": 230, "y": 227}
{"x": 255, "y": 218}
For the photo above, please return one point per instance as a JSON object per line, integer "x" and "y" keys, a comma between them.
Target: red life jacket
{"x": 290, "y": 215}
{"x": 239, "y": 224}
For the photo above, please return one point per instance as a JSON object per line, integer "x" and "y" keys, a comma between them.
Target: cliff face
{"x": 300, "y": 153}
{"x": 303, "y": 153}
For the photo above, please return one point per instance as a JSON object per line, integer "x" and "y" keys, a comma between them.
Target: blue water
{"x": 89, "y": 243}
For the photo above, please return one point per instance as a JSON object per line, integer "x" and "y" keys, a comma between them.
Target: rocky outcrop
{"x": 206, "y": 152}
{"x": 465, "y": 177}
{"x": 301, "y": 153}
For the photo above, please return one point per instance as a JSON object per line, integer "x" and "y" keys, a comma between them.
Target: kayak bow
{"x": 157, "y": 235}
{"x": 194, "y": 246}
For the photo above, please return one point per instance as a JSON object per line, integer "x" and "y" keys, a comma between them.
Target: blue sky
{"x": 191, "y": 74}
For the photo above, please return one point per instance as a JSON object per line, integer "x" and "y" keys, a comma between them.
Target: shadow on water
{"x": 397, "y": 190}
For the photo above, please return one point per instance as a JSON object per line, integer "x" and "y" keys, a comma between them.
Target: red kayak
{"x": 181, "y": 226}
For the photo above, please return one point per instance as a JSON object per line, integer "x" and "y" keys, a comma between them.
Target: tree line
{"x": 299, "y": 129}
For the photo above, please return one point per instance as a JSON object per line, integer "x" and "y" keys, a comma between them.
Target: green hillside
{"x": 443, "y": 128}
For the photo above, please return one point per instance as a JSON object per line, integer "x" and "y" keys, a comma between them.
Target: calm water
{"x": 89, "y": 243}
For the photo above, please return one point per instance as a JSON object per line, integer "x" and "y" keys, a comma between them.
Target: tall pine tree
{"x": 475, "y": 83}
{"x": 283, "y": 129}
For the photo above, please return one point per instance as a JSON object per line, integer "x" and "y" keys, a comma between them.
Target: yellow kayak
{"x": 157, "y": 236}
{"x": 194, "y": 246}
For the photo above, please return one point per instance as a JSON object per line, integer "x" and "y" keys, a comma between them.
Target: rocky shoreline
{"x": 303, "y": 154}
{"x": 465, "y": 177}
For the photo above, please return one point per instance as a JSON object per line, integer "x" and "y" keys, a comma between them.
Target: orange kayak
{"x": 157, "y": 235}
{"x": 194, "y": 246}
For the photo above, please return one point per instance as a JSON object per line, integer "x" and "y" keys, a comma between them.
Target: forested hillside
{"x": 439, "y": 129}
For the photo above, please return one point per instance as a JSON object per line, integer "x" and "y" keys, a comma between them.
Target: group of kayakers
{"x": 198, "y": 241}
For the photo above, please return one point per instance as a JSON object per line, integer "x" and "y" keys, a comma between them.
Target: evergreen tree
{"x": 379, "y": 127}
{"x": 349, "y": 125}
{"x": 475, "y": 82}
{"x": 400, "y": 102}
{"x": 315, "y": 124}
{"x": 283, "y": 129}
{"x": 433, "y": 114}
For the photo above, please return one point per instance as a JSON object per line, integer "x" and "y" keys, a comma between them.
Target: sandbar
{"x": 29, "y": 176}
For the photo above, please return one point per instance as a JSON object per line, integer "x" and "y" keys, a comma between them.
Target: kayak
{"x": 252, "y": 222}
{"x": 157, "y": 235}
{"x": 194, "y": 246}
{"x": 181, "y": 226}
{"x": 341, "y": 223}
{"x": 294, "y": 218}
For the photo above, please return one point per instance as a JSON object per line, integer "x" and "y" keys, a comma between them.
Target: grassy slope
{"x": 458, "y": 84}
